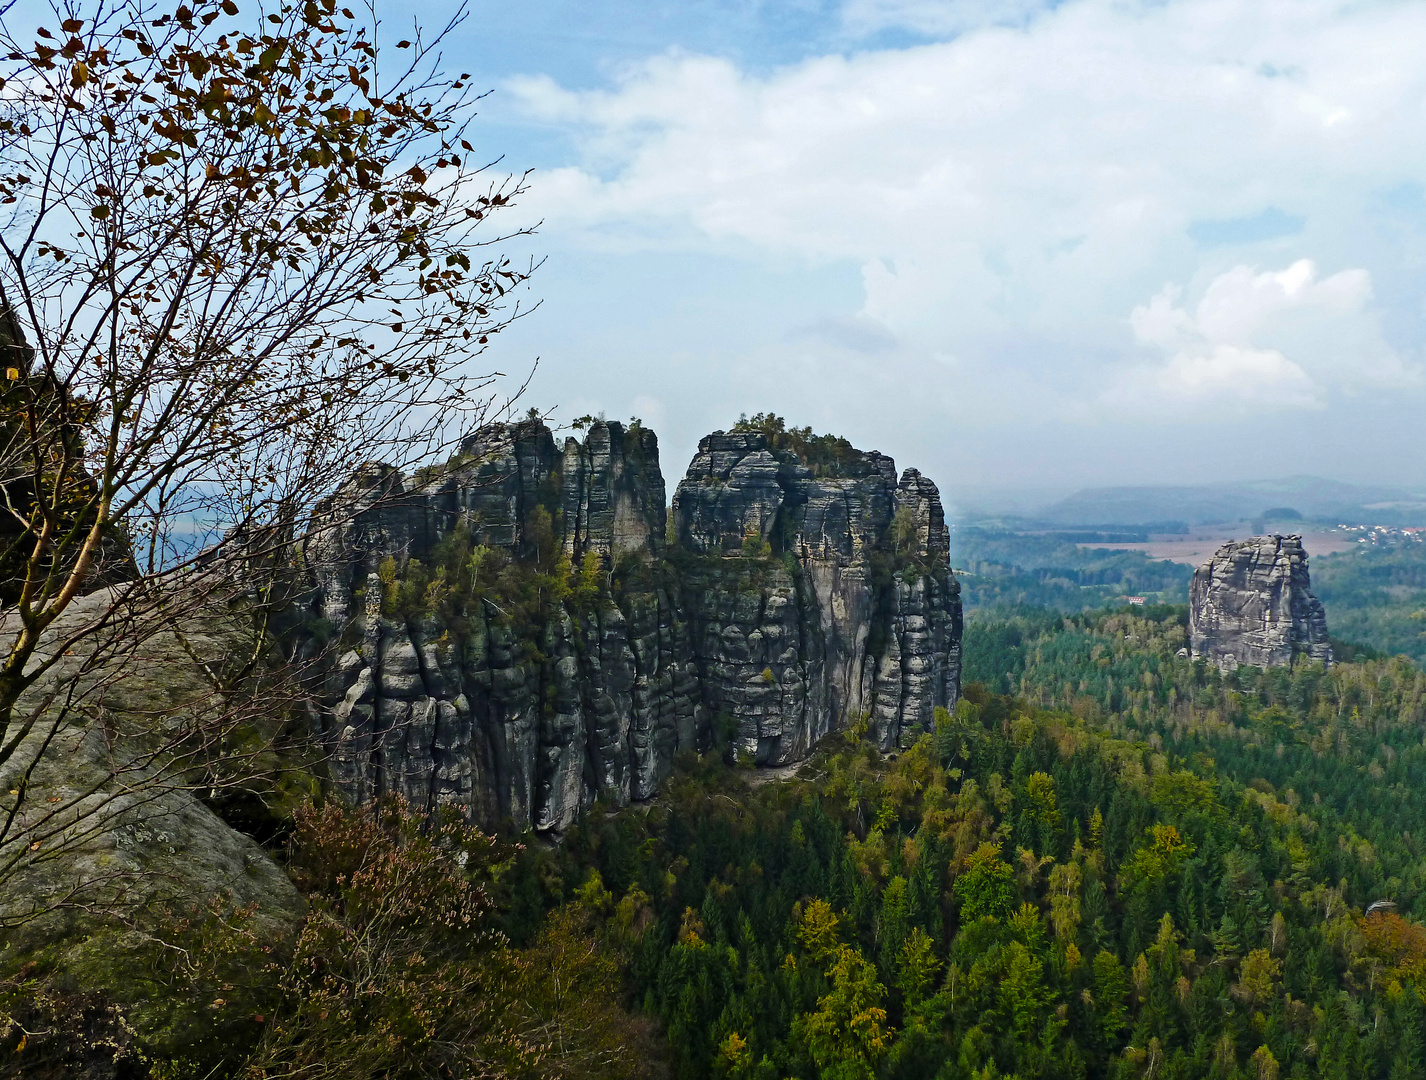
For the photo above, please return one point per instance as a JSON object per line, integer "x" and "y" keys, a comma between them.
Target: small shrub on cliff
{"x": 755, "y": 547}
{"x": 824, "y": 455}
{"x": 466, "y": 576}
{"x": 904, "y": 531}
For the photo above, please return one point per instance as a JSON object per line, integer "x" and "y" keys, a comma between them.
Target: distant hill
{"x": 1314, "y": 498}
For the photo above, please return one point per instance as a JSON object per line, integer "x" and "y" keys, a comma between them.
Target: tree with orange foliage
{"x": 1398, "y": 942}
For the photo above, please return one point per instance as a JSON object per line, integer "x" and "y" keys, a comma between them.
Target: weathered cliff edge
{"x": 1252, "y": 604}
{"x": 584, "y": 650}
{"x": 858, "y": 619}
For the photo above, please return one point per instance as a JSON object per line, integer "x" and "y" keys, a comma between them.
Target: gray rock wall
{"x": 527, "y": 710}
{"x": 851, "y": 629}
{"x": 1252, "y": 604}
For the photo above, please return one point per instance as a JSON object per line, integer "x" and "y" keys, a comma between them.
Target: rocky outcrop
{"x": 1253, "y": 604}
{"x": 113, "y": 827}
{"x": 512, "y": 632}
{"x": 505, "y": 696}
{"x": 57, "y": 440}
{"x": 835, "y": 620}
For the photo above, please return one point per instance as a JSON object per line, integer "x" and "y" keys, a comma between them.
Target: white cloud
{"x": 1233, "y": 350}
{"x": 1005, "y": 197}
{"x": 1238, "y": 378}
{"x": 1241, "y": 302}
{"x": 1032, "y": 165}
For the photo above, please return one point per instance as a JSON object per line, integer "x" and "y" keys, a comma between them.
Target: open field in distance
{"x": 1199, "y": 545}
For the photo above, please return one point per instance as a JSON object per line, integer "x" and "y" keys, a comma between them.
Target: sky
{"x": 1020, "y": 245}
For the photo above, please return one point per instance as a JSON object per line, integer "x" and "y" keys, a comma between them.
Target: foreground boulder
{"x": 514, "y": 632}
{"x": 115, "y": 846}
{"x": 1252, "y": 604}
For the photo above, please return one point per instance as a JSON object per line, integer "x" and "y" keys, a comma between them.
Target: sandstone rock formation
{"x": 512, "y": 632}
{"x": 523, "y": 708}
{"x": 57, "y": 441}
{"x": 117, "y": 835}
{"x": 1252, "y": 604}
{"x": 846, "y": 627}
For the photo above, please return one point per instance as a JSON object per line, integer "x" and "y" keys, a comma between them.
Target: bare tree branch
{"x": 241, "y": 252}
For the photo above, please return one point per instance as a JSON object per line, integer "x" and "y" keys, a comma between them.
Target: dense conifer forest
{"x": 1129, "y": 866}
{"x": 1107, "y": 861}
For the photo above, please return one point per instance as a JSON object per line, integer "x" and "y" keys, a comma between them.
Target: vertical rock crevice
{"x": 1252, "y": 604}
{"x": 798, "y": 600}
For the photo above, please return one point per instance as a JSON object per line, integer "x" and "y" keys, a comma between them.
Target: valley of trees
{"x": 1344, "y": 745}
{"x": 1129, "y": 866}
{"x": 1376, "y": 596}
{"x": 1005, "y": 569}
{"x": 1132, "y": 868}
{"x": 1108, "y": 861}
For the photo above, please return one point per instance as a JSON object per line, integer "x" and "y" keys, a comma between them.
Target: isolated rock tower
{"x": 1252, "y": 603}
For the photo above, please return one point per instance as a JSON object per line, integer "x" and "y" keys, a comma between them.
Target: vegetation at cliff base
{"x": 1023, "y": 893}
{"x": 1375, "y": 596}
{"x": 399, "y": 968}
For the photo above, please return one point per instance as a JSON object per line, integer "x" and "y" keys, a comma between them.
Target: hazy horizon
{"x": 1024, "y": 246}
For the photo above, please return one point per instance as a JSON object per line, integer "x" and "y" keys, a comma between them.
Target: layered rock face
{"x": 524, "y": 709}
{"x": 508, "y": 631}
{"x": 1253, "y": 604}
{"x": 841, "y": 622}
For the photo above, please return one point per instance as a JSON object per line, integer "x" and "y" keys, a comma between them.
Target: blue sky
{"x": 1020, "y": 245}
{"x": 1015, "y": 244}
